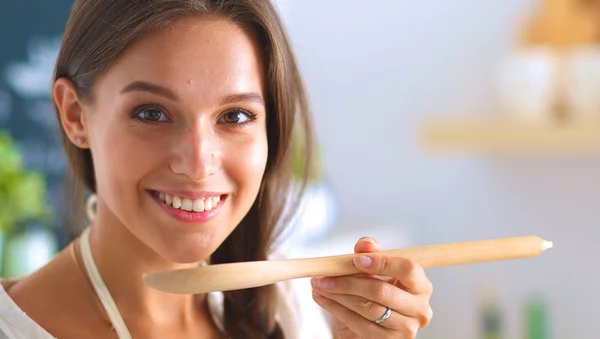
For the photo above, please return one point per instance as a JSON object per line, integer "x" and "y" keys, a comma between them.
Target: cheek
{"x": 121, "y": 160}
{"x": 245, "y": 165}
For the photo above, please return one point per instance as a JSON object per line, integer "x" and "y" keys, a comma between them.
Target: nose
{"x": 197, "y": 154}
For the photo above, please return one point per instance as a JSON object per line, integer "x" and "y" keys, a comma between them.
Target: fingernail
{"x": 367, "y": 239}
{"x": 316, "y": 295}
{"x": 324, "y": 283}
{"x": 363, "y": 261}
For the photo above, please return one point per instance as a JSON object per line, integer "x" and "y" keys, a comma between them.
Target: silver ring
{"x": 386, "y": 315}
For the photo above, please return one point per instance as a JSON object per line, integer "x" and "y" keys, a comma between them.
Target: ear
{"x": 71, "y": 111}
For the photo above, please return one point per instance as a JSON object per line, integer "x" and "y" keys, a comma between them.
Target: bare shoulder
{"x": 60, "y": 299}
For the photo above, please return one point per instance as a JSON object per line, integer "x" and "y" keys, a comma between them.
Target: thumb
{"x": 366, "y": 245}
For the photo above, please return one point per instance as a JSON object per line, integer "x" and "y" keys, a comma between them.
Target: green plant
{"x": 22, "y": 192}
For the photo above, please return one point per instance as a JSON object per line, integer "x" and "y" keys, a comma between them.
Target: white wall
{"x": 374, "y": 70}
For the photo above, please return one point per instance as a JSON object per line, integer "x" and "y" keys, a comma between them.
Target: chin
{"x": 188, "y": 251}
{"x": 186, "y": 257}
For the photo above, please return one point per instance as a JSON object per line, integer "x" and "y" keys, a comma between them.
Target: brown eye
{"x": 151, "y": 114}
{"x": 236, "y": 117}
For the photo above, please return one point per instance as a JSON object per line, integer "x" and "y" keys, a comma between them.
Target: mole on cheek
{"x": 190, "y": 82}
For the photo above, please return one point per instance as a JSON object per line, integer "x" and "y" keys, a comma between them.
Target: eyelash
{"x": 136, "y": 112}
{"x": 251, "y": 117}
{"x": 135, "y": 115}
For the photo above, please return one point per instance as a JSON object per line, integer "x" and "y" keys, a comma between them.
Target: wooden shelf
{"x": 509, "y": 136}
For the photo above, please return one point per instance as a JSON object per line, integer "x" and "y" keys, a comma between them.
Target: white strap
{"x": 101, "y": 290}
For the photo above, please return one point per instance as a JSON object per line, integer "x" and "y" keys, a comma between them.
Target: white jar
{"x": 527, "y": 84}
{"x": 583, "y": 83}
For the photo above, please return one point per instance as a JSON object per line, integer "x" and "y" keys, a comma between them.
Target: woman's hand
{"x": 357, "y": 302}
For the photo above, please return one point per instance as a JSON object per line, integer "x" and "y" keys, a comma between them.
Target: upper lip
{"x": 193, "y": 195}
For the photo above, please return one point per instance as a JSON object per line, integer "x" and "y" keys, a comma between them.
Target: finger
{"x": 376, "y": 291}
{"x": 362, "y": 327}
{"x": 367, "y": 309}
{"x": 406, "y": 271}
{"x": 365, "y": 245}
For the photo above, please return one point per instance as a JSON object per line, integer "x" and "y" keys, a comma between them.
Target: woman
{"x": 177, "y": 115}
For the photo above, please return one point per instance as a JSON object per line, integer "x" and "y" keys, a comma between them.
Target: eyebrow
{"x": 243, "y": 97}
{"x": 144, "y": 86}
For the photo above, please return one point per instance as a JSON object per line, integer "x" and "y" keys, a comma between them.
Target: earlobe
{"x": 71, "y": 111}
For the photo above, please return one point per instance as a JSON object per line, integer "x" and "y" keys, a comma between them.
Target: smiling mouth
{"x": 189, "y": 205}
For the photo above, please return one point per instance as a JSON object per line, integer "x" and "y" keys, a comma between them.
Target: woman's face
{"x": 178, "y": 136}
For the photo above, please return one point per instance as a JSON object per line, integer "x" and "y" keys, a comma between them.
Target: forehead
{"x": 205, "y": 55}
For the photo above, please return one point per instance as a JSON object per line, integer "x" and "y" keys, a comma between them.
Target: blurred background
{"x": 438, "y": 121}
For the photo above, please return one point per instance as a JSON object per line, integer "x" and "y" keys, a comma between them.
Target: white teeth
{"x": 208, "y": 204}
{"x": 198, "y": 205}
{"x": 176, "y": 202}
{"x": 186, "y": 204}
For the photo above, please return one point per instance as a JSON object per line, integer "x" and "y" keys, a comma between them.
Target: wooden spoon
{"x": 225, "y": 277}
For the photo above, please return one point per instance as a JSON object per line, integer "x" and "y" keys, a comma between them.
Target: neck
{"x": 122, "y": 259}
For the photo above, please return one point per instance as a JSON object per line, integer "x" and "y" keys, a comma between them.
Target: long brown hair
{"x": 99, "y": 31}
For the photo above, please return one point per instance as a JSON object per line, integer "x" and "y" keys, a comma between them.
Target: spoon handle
{"x": 225, "y": 277}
